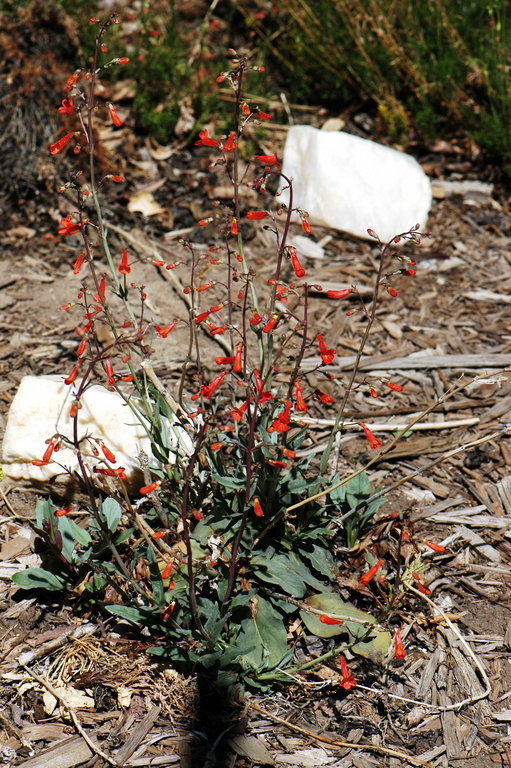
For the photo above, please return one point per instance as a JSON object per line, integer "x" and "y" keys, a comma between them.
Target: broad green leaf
{"x": 266, "y": 632}
{"x": 135, "y": 615}
{"x": 44, "y": 511}
{"x": 38, "y": 578}
{"x": 111, "y": 512}
{"x": 277, "y": 571}
{"x": 357, "y": 624}
{"x": 123, "y": 536}
{"x": 65, "y": 527}
{"x": 228, "y": 481}
{"x": 321, "y": 560}
{"x": 80, "y": 535}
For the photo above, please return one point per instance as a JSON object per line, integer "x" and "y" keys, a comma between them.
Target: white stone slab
{"x": 40, "y": 410}
{"x": 354, "y": 184}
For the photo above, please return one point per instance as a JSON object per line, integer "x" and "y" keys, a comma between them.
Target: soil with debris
{"x": 448, "y": 703}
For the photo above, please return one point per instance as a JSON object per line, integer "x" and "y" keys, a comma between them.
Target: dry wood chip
{"x": 139, "y": 733}
{"x": 484, "y": 295}
{"x": 428, "y": 673}
{"x": 486, "y": 550}
{"x": 65, "y": 754}
{"x": 504, "y": 491}
{"x": 418, "y": 360}
{"x": 253, "y": 748}
{"x": 465, "y": 675}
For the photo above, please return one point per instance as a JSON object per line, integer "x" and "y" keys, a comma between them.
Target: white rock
{"x": 40, "y": 410}
{"x": 354, "y": 184}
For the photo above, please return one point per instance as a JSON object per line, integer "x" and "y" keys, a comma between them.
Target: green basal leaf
{"x": 38, "y": 578}
{"x": 80, "y": 535}
{"x": 44, "y": 510}
{"x": 135, "y": 615}
{"x": 357, "y": 624}
{"x": 123, "y": 536}
{"x": 266, "y": 633}
{"x": 110, "y": 511}
{"x": 321, "y": 560}
{"x": 277, "y": 570}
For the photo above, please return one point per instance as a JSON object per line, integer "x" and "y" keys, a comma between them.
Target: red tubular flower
{"x": 72, "y": 376}
{"x": 67, "y": 107}
{"x": 394, "y": 387}
{"x": 263, "y": 115}
{"x": 81, "y": 347}
{"x": 262, "y": 394}
{"x": 435, "y": 547}
{"x": 327, "y": 355}
{"x": 119, "y": 472}
{"x": 123, "y": 60}
{"x": 255, "y": 319}
{"x": 372, "y": 391}
{"x": 281, "y": 422}
{"x": 392, "y": 291}
{"x": 234, "y": 226}
{"x": 270, "y": 325}
{"x": 63, "y": 511}
{"x": 206, "y": 141}
{"x": 215, "y": 330}
{"x": 205, "y": 286}
{"x": 124, "y": 267}
{"x": 165, "y": 574}
{"x": 207, "y": 389}
{"x": 100, "y": 295}
{"x": 299, "y": 270}
{"x": 114, "y": 117}
{"x": 339, "y": 294}
{"x": 107, "y": 453}
{"x": 202, "y": 316}
{"x": 164, "y": 332}
{"x": 78, "y": 263}
{"x": 108, "y": 367}
{"x": 348, "y": 681}
{"x": 217, "y": 307}
{"x": 224, "y": 360}
{"x": 258, "y": 510}
{"x": 324, "y": 619}
{"x": 256, "y": 215}
{"x": 215, "y": 446}
{"x": 245, "y": 109}
{"x": 149, "y": 489}
{"x": 373, "y": 441}
{"x": 306, "y": 227}
{"x": 230, "y": 144}
{"x": 59, "y": 145}
{"x": 204, "y": 222}
{"x": 399, "y": 649}
{"x": 371, "y": 573}
{"x": 169, "y": 610}
{"x": 269, "y": 159}
{"x": 68, "y": 226}
{"x": 237, "y": 413}
{"x": 238, "y": 359}
{"x": 117, "y": 179}
{"x": 301, "y": 405}
{"x": 289, "y": 453}
{"x": 324, "y": 398}
{"x": 276, "y": 463}
{"x": 46, "y": 455}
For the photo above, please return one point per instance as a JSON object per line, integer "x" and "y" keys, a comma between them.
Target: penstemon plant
{"x": 209, "y": 556}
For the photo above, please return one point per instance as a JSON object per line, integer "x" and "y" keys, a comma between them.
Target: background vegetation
{"x": 424, "y": 70}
